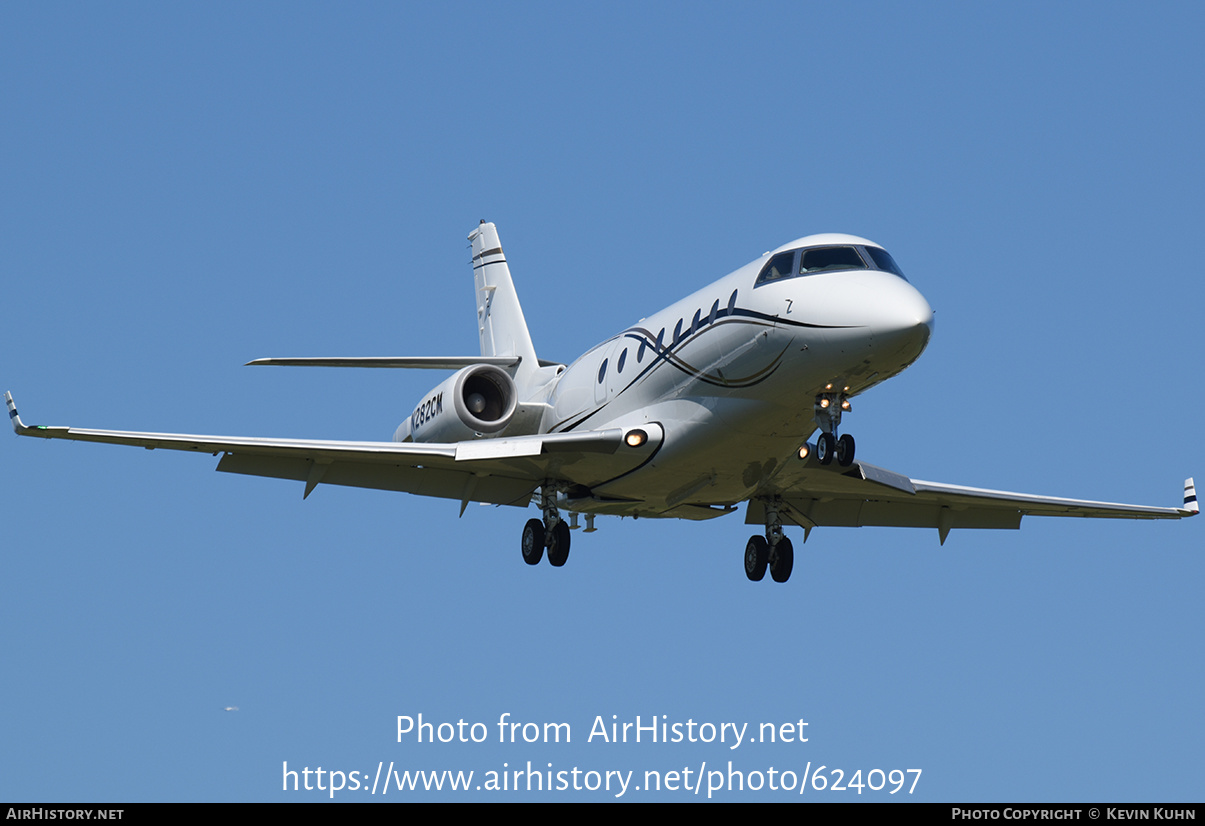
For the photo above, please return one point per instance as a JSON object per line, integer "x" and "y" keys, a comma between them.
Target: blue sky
{"x": 190, "y": 186}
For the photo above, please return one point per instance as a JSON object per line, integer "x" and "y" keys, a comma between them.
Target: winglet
{"x": 19, "y": 426}
{"x": 1190, "y": 493}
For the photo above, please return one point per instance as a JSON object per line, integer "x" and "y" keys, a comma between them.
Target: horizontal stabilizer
{"x": 398, "y": 362}
{"x": 403, "y": 362}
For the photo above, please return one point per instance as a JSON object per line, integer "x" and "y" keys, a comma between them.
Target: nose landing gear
{"x": 773, "y": 551}
{"x": 829, "y": 407}
{"x": 828, "y": 448}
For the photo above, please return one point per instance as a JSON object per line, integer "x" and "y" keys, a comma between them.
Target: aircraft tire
{"x": 757, "y": 555}
{"x": 782, "y": 560}
{"x": 845, "y": 450}
{"x": 533, "y": 541}
{"x": 558, "y": 549}
{"x": 826, "y": 446}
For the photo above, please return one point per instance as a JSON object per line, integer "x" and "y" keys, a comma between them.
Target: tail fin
{"x": 500, "y": 321}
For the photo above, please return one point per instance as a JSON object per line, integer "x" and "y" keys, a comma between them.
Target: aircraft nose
{"x": 903, "y": 320}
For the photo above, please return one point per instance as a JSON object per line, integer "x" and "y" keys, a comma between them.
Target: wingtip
{"x": 13, "y": 417}
{"x": 1190, "y": 497}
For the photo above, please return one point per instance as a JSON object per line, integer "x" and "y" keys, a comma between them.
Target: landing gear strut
{"x": 551, "y": 533}
{"x": 829, "y": 407}
{"x": 773, "y": 550}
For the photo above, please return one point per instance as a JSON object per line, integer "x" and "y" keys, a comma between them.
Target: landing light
{"x": 845, "y": 405}
{"x": 804, "y": 451}
{"x": 636, "y": 438}
{"x": 824, "y": 404}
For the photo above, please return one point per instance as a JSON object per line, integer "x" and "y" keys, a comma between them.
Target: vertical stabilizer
{"x": 500, "y": 321}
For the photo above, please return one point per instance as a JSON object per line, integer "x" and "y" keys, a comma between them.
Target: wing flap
{"x": 422, "y": 481}
{"x": 857, "y": 513}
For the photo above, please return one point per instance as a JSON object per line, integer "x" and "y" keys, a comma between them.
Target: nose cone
{"x": 876, "y": 317}
{"x": 903, "y": 322}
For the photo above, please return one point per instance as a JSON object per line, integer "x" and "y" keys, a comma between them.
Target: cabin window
{"x": 622, "y": 358}
{"x": 661, "y": 341}
{"x": 694, "y": 324}
{"x": 715, "y": 310}
{"x": 640, "y": 352}
{"x": 732, "y": 302}
{"x": 602, "y": 371}
{"x": 678, "y": 332}
{"x": 829, "y": 259}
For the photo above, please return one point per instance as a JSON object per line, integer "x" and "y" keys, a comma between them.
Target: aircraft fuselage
{"x": 732, "y": 371}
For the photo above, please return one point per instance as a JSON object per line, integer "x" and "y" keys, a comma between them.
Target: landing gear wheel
{"x": 782, "y": 560}
{"x": 826, "y": 446}
{"x": 533, "y": 541}
{"x": 558, "y": 546}
{"x": 845, "y": 450}
{"x": 757, "y": 555}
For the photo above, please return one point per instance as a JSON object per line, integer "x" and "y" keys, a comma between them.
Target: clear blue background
{"x": 189, "y": 186}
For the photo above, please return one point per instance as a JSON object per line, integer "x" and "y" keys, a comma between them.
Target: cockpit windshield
{"x": 883, "y": 260}
{"x": 827, "y": 259}
{"x": 817, "y": 260}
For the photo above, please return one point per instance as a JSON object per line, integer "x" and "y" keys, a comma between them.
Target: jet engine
{"x": 475, "y": 402}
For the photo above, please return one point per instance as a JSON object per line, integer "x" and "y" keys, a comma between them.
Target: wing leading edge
{"x": 496, "y": 471}
{"x": 865, "y": 494}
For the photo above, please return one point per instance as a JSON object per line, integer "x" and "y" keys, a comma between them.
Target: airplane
{"x": 686, "y": 414}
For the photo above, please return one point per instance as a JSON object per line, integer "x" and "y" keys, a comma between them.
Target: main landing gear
{"x": 551, "y": 533}
{"x": 773, "y": 551}
{"x": 829, "y": 407}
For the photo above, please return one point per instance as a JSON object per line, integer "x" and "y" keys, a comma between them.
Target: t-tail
{"x": 500, "y": 392}
{"x": 500, "y": 321}
{"x": 505, "y": 342}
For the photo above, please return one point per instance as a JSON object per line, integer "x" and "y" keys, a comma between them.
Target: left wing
{"x": 498, "y": 471}
{"x": 865, "y": 494}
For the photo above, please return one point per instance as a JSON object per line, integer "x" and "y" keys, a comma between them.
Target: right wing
{"x": 865, "y": 494}
{"x": 497, "y": 471}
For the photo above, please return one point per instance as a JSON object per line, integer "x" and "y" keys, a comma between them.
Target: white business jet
{"x": 686, "y": 414}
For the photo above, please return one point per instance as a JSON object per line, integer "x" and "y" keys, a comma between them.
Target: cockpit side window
{"x": 829, "y": 259}
{"x": 779, "y": 266}
{"x": 883, "y": 260}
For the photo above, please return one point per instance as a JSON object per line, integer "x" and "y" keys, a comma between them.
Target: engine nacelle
{"x": 477, "y": 401}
